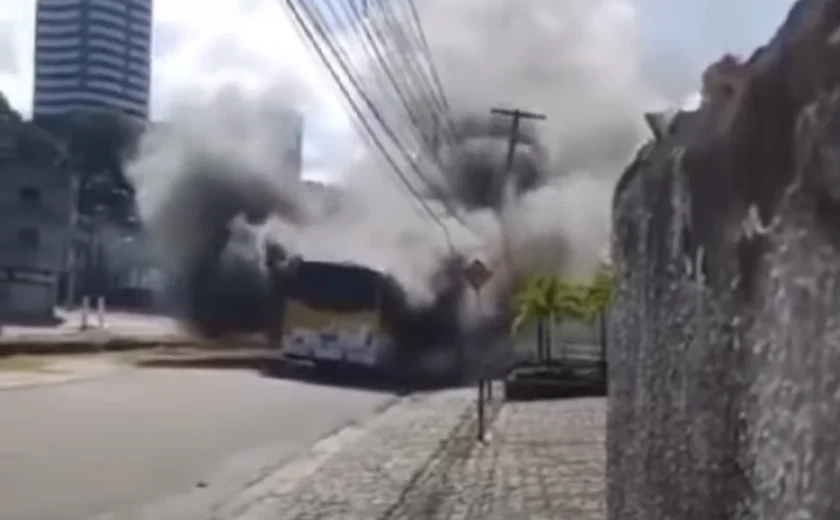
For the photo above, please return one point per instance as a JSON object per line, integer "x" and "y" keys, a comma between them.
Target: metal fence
{"x": 555, "y": 340}
{"x": 548, "y": 341}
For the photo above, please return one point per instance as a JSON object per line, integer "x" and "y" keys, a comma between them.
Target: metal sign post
{"x": 477, "y": 274}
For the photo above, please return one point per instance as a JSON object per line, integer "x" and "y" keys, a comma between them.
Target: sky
{"x": 252, "y": 44}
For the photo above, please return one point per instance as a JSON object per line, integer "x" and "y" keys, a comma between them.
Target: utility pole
{"x": 516, "y": 116}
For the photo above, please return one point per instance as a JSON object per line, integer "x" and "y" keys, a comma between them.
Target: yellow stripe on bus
{"x": 299, "y": 315}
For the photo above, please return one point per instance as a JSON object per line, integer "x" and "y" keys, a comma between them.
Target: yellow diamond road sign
{"x": 477, "y": 274}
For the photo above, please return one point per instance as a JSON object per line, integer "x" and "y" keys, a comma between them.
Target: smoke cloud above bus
{"x": 212, "y": 190}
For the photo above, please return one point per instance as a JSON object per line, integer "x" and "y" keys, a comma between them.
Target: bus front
{"x": 332, "y": 316}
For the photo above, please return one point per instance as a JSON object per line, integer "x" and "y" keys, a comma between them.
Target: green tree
{"x": 601, "y": 291}
{"x": 550, "y": 297}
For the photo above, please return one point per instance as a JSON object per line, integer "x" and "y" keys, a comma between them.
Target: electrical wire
{"x": 342, "y": 55}
{"x": 368, "y": 41}
{"x": 311, "y": 37}
{"x": 344, "y": 62}
{"x": 429, "y": 79}
{"x": 378, "y": 57}
{"x": 391, "y": 74}
{"x": 402, "y": 85}
{"x": 386, "y": 76}
{"x": 364, "y": 131}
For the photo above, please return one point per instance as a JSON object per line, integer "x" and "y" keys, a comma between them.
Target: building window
{"x": 30, "y": 196}
{"x": 28, "y": 238}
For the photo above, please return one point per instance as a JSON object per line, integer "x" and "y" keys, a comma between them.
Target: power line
{"x": 376, "y": 56}
{"x": 373, "y": 40}
{"x": 341, "y": 56}
{"x": 344, "y": 60}
{"x": 405, "y": 79}
{"x": 310, "y": 36}
{"x": 366, "y": 131}
{"x": 391, "y": 73}
{"x": 437, "y": 94}
{"x": 355, "y": 78}
{"x": 428, "y": 54}
{"x": 441, "y": 122}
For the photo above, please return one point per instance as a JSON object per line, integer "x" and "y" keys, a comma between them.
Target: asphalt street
{"x": 158, "y": 443}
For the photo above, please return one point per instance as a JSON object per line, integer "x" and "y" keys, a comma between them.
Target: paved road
{"x": 177, "y": 439}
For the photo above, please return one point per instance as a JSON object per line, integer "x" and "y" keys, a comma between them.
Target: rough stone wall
{"x": 724, "y": 355}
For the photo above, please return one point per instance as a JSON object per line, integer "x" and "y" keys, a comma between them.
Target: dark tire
{"x": 328, "y": 370}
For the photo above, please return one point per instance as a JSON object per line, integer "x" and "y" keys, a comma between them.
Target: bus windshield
{"x": 335, "y": 287}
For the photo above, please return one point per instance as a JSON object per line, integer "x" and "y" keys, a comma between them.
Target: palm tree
{"x": 546, "y": 299}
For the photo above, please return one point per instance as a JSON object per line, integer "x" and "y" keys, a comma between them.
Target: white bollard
{"x": 83, "y": 324}
{"x": 100, "y": 311}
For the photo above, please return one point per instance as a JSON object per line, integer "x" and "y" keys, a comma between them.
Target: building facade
{"x": 92, "y": 54}
{"x": 36, "y": 197}
{"x": 35, "y": 203}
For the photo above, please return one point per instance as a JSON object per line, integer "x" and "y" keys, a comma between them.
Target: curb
{"x": 81, "y": 344}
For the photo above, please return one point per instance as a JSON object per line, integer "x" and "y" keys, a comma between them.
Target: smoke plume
{"x": 213, "y": 187}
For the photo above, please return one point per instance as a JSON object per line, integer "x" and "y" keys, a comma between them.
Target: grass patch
{"x": 24, "y": 364}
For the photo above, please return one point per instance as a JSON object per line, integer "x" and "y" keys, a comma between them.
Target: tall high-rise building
{"x": 92, "y": 54}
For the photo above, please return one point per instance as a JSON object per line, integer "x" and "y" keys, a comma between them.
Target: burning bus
{"x": 346, "y": 317}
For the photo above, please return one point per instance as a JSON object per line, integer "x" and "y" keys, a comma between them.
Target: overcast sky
{"x": 251, "y": 43}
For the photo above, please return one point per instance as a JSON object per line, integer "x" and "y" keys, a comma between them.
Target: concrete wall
{"x": 27, "y": 294}
{"x": 724, "y": 353}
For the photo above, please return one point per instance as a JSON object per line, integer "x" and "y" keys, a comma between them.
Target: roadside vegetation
{"x": 24, "y": 363}
{"x": 542, "y": 297}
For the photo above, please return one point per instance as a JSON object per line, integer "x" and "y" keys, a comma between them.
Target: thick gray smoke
{"x": 579, "y": 63}
{"x": 213, "y": 186}
{"x": 206, "y": 182}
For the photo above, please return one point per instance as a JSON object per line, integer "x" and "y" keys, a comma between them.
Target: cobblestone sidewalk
{"x": 419, "y": 459}
{"x": 546, "y": 460}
